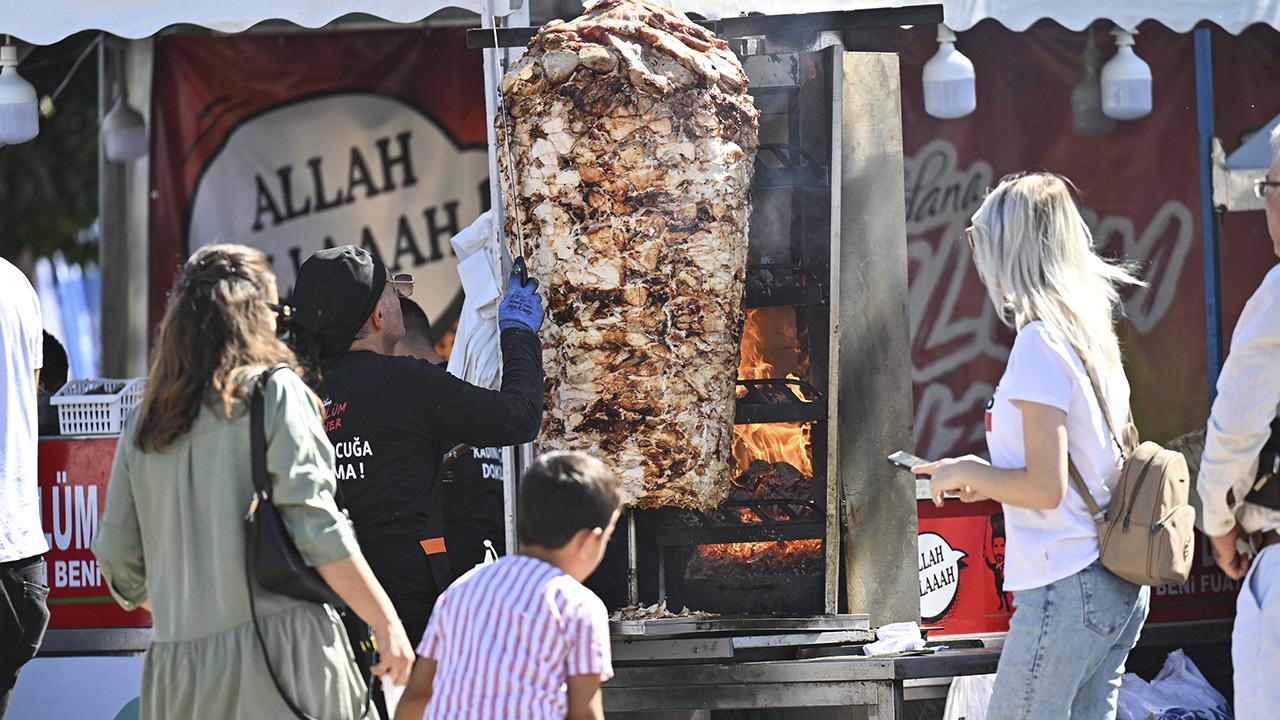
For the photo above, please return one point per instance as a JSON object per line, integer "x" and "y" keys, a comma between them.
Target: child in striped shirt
{"x": 522, "y": 637}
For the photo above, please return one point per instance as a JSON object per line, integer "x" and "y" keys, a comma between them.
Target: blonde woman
{"x": 1074, "y": 622}
{"x": 172, "y": 535}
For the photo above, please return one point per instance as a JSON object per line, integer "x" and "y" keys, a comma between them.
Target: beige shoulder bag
{"x": 1147, "y": 533}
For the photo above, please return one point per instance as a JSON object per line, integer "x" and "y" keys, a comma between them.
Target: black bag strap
{"x": 258, "y": 432}
{"x": 261, "y": 484}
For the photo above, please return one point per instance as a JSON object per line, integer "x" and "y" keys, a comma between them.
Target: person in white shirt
{"x": 1248, "y": 400}
{"x": 23, "y": 592}
{"x": 1074, "y": 622}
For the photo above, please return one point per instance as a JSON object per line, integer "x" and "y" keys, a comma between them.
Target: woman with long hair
{"x": 1075, "y": 622}
{"x": 172, "y": 535}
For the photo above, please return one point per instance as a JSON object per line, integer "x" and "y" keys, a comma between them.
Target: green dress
{"x": 173, "y": 531}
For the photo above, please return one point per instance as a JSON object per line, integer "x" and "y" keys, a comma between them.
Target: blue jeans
{"x": 1066, "y": 647}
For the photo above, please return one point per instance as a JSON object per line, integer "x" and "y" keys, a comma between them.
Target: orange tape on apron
{"x": 433, "y": 546}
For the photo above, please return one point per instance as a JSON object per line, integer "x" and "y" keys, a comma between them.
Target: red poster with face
{"x": 961, "y": 566}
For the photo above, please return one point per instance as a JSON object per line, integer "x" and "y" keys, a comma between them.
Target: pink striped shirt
{"x": 506, "y": 638}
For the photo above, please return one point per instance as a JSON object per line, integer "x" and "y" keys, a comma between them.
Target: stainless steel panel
{"x": 871, "y": 336}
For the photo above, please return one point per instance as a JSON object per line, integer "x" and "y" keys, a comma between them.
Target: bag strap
{"x": 1082, "y": 488}
{"x": 1103, "y": 407}
{"x": 258, "y": 432}
{"x": 1076, "y": 478}
{"x": 261, "y": 481}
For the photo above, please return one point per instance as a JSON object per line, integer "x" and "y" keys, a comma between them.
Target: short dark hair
{"x": 56, "y": 366}
{"x": 564, "y": 492}
{"x": 415, "y": 320}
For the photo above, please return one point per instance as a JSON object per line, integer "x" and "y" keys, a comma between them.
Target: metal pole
{"x": 514, "y": 460}
{"x": 1208, "y": 217}
{"x": 509, "y": 497}
{"x": 633, "y": 580}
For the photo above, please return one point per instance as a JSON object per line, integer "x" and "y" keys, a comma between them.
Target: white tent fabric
{"x": 56, "y": 19}
{"x": 1179, "y": 15}
{"x": 49, "y": 21}
{"x": 477, "y": 352}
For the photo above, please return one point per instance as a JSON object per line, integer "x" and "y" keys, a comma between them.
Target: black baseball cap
{"x": 336, "y": 291}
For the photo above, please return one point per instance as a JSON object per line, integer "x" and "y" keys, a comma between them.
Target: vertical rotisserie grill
{"x": 763, "y": 549}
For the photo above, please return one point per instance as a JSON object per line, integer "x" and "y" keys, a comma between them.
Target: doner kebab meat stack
{"x": 632, "y": 139}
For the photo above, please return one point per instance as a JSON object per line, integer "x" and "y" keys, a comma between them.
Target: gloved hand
{"x": 521, "y": 307}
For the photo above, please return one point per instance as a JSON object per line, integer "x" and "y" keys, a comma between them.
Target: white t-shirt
{"x": 21, "y": 354}
{"x": 1044, "y": 546}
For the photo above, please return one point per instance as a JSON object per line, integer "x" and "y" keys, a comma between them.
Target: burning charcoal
{"x": 756, "y": 559}
{"x": 632, "y": 140}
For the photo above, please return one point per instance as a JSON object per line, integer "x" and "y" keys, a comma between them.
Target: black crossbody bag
{"x": 1265, "y": 490}
{"x": 271, "y": 557}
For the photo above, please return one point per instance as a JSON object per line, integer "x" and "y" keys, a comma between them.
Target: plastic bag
{"x": 968, "y": 697}
{"x": 1178, "y": 692}
{"x": 895, "y": 638}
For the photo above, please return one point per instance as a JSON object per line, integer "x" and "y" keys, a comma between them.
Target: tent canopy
{"x": 57, "y": 19}
{"x": 1179, "y": 15}
{"x": 49, "y": 21}
{"x": 134, "y": 19}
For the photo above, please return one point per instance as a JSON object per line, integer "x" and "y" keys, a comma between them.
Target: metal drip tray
{"x": 737, "y": 625}
{"x": 740, "y": 639}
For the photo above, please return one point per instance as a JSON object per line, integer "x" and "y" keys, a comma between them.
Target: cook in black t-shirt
{"x": 390, "y": 418}
{"x": 472, "y": 492}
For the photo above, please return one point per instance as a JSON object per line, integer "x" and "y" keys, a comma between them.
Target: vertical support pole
{"x": 633, "y": 577}
{"x": 1208, "y": 217}
{"x": 493, "y": 70}
{"x": 514, "y": 460}
{"x": 509, "y": 474}
{"x": 870, "y": 324}
{"x": 834, "y": 521}
{"x": 124, "y": 206}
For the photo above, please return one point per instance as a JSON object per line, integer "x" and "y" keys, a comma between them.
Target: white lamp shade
{"x": 124, "y": 133}
{"x": 949, "y": 80}
{"x": 1126, "y": 83}
{"x": 19, "y": 108}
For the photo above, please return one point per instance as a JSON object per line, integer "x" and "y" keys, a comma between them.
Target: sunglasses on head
{"x": 401, "y": 284}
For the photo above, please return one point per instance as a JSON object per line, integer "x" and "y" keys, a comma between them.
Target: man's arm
{"x": 460, "y": 411}
{"x": 585, "y": 700}
{"x": 413, "y": 703}
{"x": 1248, "y": 394}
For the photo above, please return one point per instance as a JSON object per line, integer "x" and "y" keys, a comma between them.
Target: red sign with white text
{"x": 73, "y": 475}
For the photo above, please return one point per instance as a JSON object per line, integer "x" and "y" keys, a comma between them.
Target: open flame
{"x": 771, "y": 349}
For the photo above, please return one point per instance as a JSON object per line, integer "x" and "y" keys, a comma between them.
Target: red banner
{"x": 296, "y": 142}
{"x": 73, "y": 476}
{"x": 1140, "y": 188}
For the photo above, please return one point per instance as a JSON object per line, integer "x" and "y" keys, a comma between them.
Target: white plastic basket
{"x": 96, "y": 407}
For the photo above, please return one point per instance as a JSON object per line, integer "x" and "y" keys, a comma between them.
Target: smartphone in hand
{"x": 906, "y": 461}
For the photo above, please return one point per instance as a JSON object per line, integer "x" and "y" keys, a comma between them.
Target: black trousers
{"x": 24, "y": 615}
{"x": 409, "y": 576}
